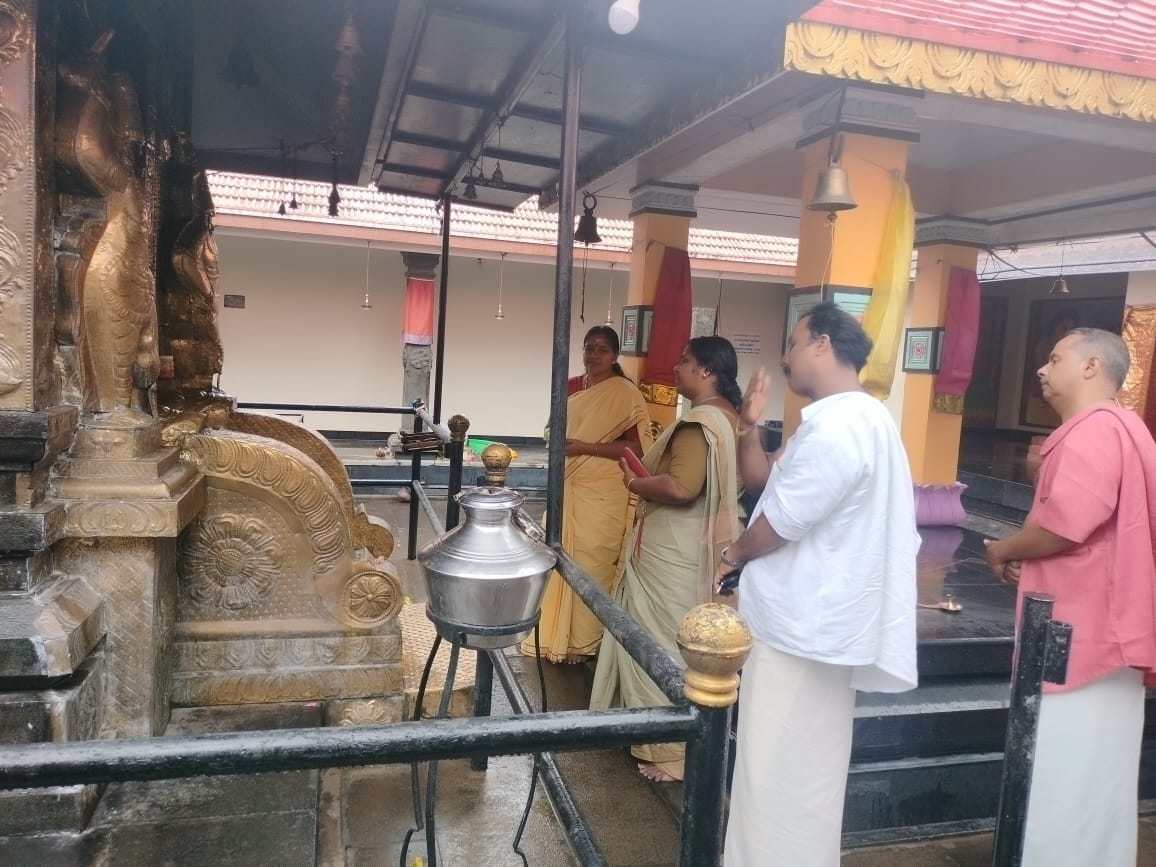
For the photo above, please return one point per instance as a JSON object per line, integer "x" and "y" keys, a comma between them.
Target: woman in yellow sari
{"x": 687, "y": 513}
{"x": 605, "y": 414}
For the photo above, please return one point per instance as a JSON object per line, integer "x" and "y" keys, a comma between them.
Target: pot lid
{"x": 490, "y": 498}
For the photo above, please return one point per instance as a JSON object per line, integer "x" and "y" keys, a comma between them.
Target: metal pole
{"x": 66, "y": 763}
{"x": 704, "y": 793}
{"x": 564, "y": 271}
{"x": 414, "y": 479}
{"x": 578, "y": 835}
{"x": 1041, "y": 654}
{"x": 459, "y": 425}
{"x": 483, "y": 699}
{"x": 714, "y": 643}
{"x": 443, "y": 291}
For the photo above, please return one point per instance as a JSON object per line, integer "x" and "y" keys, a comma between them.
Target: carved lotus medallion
{"x": 231, "y": 562}
{"x": 372, "y": 598}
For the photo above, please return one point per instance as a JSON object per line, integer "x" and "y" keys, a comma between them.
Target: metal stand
{"x": 458, "y": 639}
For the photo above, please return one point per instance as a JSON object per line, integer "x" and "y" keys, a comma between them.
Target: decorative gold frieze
{"x": 227, "y": 654}
{"x": 263, "y": 686}
{"x": 143, "y": 518}
{"x": 364, "y": 712}
{"x": 823, "y": 49}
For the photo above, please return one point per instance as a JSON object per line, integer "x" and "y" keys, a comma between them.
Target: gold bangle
{"x": 630, "y": 482}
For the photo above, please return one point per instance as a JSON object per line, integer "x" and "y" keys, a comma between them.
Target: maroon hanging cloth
{"x": 670, "y": 327}
{"x": 960, "y": 337}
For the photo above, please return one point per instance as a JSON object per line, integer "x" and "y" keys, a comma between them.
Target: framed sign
{"x": 635, "y": 336}
{"x": 922, "y": 350}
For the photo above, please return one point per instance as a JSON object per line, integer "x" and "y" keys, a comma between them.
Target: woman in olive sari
{"x": 687, "y": 513}
{"x": 605, "y": 414}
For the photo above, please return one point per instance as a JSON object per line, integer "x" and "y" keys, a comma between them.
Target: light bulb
{"x": 623, "y": 16}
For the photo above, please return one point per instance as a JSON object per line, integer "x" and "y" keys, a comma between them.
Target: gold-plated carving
{"x": 371, "y": 597}
{"x": 949, "y": 403}
{"x": 137, "y": 580}
{"x": 188, "y": 314}
{"x": 285, "y": 473}
{"x": 1139, "y": 335}
{"x": 251, "y": 687}
{"x": 663, "y": 395}
{"x": 15, "y": 31}
{"x": 234, "y": 561}
{"x": 101, "y": 153}
{"x": 823, "y": 49}
{"x": 367, "y": 713}
{"x": 220, "y": 654}
{"x": 715, "y": 642}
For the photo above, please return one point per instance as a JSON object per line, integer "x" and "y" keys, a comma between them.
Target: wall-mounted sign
{"x": 747, "y": 344}
{"x": 235, "y": 301}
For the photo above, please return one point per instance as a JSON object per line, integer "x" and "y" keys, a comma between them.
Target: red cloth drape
{"x": 670, "y": 327}
{"x": 960, "y": 333}
{"x": 418, "y": 318}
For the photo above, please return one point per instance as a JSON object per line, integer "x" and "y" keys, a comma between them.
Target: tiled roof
{"x": 1111, "y": 35}
{"x": 254, "y": 195}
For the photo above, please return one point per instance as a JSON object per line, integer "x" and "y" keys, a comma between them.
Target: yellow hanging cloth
{"x": 883, "y": 319}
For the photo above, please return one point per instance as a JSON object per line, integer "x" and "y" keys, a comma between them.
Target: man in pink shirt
{"x": 1088, "y": 541}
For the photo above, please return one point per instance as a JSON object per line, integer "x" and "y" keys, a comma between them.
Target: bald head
{"x": 1109, "y": 348}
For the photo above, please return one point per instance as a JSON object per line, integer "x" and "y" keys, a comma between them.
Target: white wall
{"x": 1142, "y": 287}
{"x": 303, "y": 336}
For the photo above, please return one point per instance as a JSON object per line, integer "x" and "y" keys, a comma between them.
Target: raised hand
{"x": 755, "y": 398}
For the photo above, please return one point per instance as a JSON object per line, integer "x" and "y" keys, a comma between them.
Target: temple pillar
{"x": 417, "y": 357}
{"x": 930, "y": 435}
{"x": 661, "y": 214}
{"x": 838, "y": 259}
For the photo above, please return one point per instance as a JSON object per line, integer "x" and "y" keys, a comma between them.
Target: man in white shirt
{"x": 828, "y": 590}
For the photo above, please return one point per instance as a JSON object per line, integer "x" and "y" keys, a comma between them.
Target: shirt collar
{"x": 813, "y": 409}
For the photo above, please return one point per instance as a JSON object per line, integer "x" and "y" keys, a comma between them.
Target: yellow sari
{"x": 597, "y": 512}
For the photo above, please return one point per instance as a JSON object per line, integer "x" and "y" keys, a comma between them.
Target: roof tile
{"x": 256, "y": 195}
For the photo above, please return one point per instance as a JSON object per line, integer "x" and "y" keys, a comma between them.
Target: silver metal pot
{"x": 486, "y": 577}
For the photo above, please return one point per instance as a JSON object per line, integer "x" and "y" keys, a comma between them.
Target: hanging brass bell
{"x": 587, "y": 231}
{"x": 833, "y": 191}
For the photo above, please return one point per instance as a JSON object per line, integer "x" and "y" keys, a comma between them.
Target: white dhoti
{"x": 1083, "y": 802}
{"x": 794, "y": 746}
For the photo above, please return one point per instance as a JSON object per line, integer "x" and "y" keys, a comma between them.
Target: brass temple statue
{"x": 108, "y": 327}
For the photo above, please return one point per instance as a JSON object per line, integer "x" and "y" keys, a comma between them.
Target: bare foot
{"x": 577, "y": 658}
{"x": 655, "y": 774}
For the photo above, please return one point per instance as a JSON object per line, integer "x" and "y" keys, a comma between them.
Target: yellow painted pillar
{"x": 843, "y": 260}
{"x": 661, "y": 214}
{"x": 932, "y": 437}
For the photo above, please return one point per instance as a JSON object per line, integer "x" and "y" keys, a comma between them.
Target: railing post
{"x": 715, "y": 642}
{"x": 458, "y": 424}
{"x": 414, "y": 477}
{"x": 1041, "y": 654}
